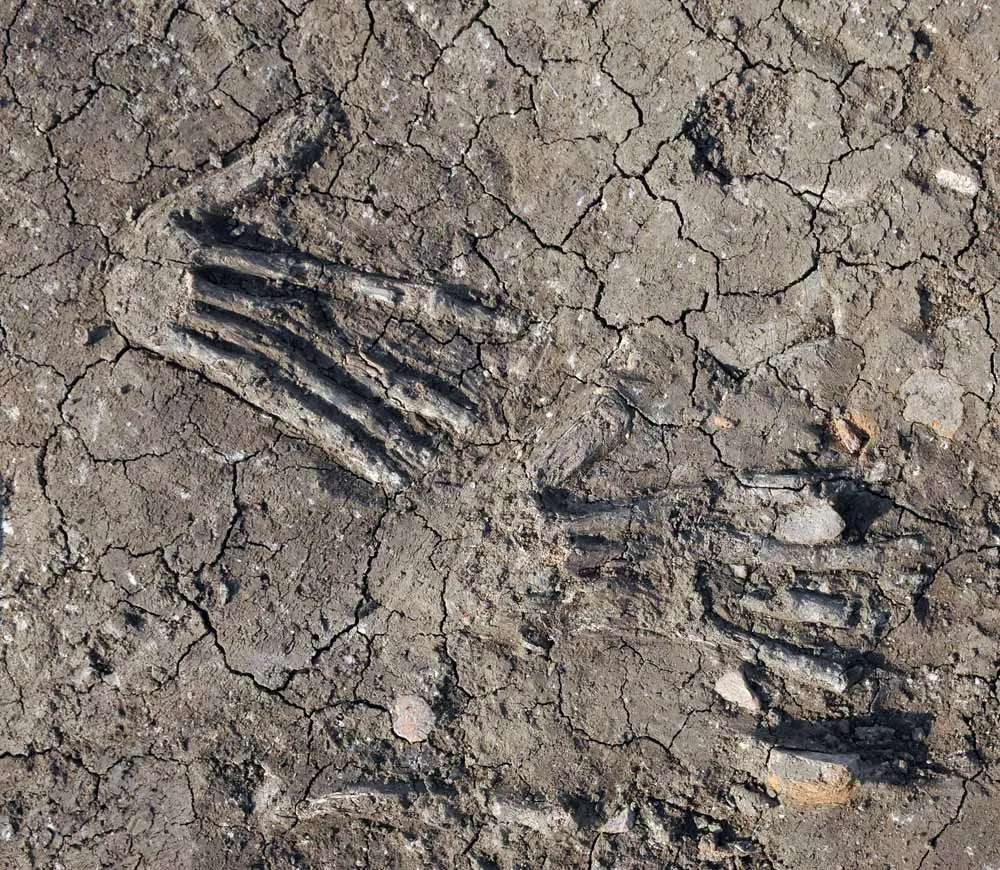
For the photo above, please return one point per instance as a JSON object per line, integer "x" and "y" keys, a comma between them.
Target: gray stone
{"x": 734, "y": 688}
{"x": 812, "y": 524}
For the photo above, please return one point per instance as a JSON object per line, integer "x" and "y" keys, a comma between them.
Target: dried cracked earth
{"x": 499, "y": 435}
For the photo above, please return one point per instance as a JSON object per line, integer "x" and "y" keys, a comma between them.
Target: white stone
{"x": 812, "y": 524}
{"x": 412, "y": 718}
{"x": 963, "y": 184}
{"x": 732, "y": 686}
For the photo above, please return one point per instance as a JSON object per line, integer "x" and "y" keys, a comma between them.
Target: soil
{"x": 499, "y": 435}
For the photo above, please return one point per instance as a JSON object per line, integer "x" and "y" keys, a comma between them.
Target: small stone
{"x": 813, "y": 778}
{"x": 620, "y": 823}
{"x": 810, "y": 525}
{"x": 728, "y": 28}
{"x": 412, "y": 718}
{"x": 962, "y": 184}
{"x": 739, "y": 571}
{"x": 933, "y": 400}
{"x": 734, "y": 688}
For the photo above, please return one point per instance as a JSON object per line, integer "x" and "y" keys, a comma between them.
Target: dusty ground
{"x": 499, "y": 435}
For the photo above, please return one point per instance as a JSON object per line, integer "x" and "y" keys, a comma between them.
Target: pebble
{"x": 728, "y": 28}
{"x": 734, "y": 688}
{"x": 813, "y": 778}
{"x": 412, "y": 718}
{"x": 963, "y": 184}
{"x": 811, "y": 525}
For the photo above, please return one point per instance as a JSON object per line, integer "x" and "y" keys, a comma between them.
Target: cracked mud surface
{"x": 499, "y": 435}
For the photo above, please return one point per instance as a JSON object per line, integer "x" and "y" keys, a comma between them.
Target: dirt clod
{"x": 812, "y": 778}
